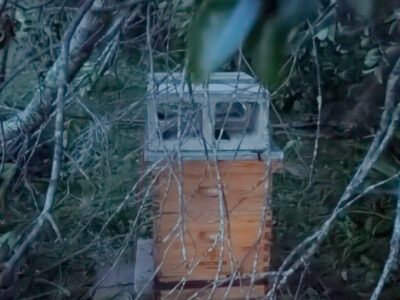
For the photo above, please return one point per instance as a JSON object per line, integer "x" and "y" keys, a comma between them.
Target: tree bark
{"x": 88, "y": 33}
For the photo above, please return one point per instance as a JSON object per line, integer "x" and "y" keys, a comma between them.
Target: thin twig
{"x": 319, "y": 102}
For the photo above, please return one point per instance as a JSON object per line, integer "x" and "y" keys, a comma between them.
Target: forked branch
{"x": 6, "y": 275}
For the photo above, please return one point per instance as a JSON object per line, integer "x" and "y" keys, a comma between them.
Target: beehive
{"x": 215, "y": 159}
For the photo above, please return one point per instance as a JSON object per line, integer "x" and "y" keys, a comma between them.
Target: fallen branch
{"x": 7, "y": 274}
{"x": 86, "y": 36}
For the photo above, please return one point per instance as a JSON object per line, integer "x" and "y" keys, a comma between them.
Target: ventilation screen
{"x": 168, "y": 115}
{"x": 234, "y": 119}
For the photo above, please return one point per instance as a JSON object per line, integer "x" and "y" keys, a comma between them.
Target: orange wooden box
{"x": 189, "y": 230}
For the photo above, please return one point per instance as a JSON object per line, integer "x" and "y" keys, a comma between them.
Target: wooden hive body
{"x": 193, "y": 208}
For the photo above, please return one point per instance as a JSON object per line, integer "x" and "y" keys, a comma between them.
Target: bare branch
{"x": 309, "y": 246}
{"x": 10, "y": 265}
{"x": 319, "y": 102}
{"x": 393, "y": 254}
{"x": 83, "y": 41}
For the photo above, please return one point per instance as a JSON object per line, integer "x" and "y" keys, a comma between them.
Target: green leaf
{"x": 379, "y": 75}
{"x": 372, "y": 276}
{"x": 6, "y": 177}
{"x": 384, "y": 227}
{"x": 218, "y": 32}
{"x": 289, "y": 144}
{"x": 271, "y": 52}
{"x": 372, "y": 58}
{"x": 294, "y": 11}
{"x": 311, "y": 294}
{"x": 385, "y": 166}
{"x": 9, "y": 239}
{"x": 323, "y": 34}
{"x": 344, "y": 275}
{"x": 365, "y": 260}
{"x": 369, "y": 224}
{"x": 363, "y": 7}
{"x": 360, "y": 249}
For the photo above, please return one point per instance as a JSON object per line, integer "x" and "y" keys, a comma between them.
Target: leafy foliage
{"x": 218, "y": 31}
{"x": 105, "y": 121}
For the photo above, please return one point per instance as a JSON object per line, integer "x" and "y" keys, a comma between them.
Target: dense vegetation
{"x": 327, "y": 68}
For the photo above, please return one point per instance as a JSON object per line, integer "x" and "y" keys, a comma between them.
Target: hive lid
{"x": 229, "y": 83}
{"x": 274, "y": 154}
{"x": 224, "y": 118}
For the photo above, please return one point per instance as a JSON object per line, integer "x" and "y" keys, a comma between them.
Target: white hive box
{"x": 227, "y": 115}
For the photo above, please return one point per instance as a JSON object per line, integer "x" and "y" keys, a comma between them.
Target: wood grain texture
{"x": 235, "y": 293}
{"x": 242, "y": 181}
{"x": 201, "y": 234}
{"x": 243, "y": 185}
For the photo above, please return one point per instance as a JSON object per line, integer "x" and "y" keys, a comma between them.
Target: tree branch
{"x": 393, "y": 254}
{"x": 306, "y": 249}
{"x": 9, "y": 267}
{"x": 85, "y": 37}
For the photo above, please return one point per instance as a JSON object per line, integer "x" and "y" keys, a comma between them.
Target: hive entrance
{"x": 234, "y": 119}
{"x": 185, "y": 116}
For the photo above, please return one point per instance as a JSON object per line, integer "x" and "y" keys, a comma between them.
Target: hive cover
{"x": 226, "y": 117}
